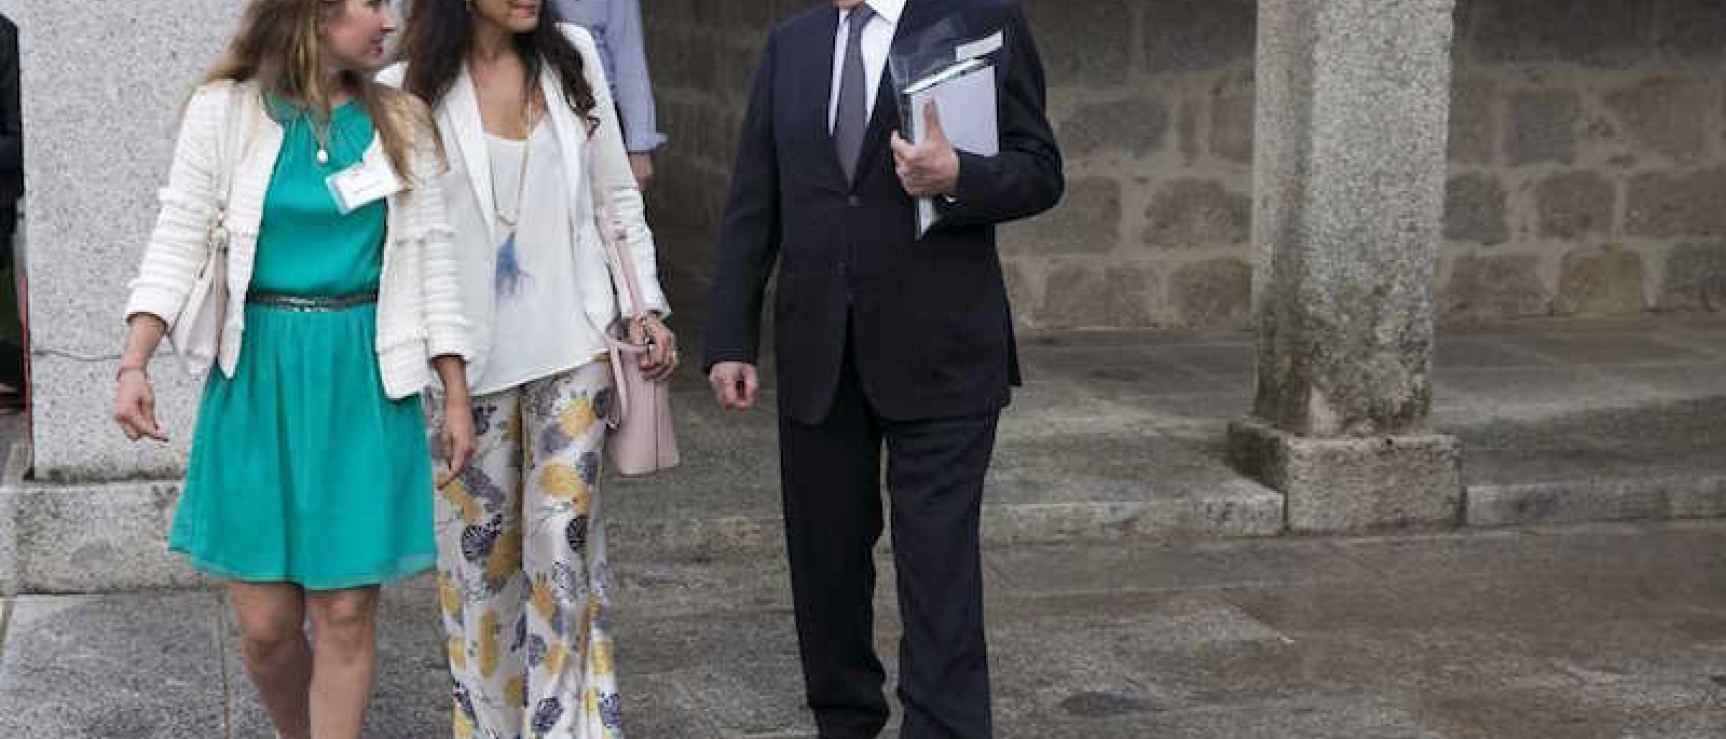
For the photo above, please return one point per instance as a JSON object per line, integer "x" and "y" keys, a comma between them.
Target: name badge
{"x": 362, "y": 185}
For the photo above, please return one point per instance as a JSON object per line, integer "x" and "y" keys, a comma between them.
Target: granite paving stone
{"x": 1600, "y": 630}
{"x": 147, "y": 665}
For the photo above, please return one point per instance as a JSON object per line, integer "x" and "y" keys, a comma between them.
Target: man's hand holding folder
{"x": 930, "y": 167}
{"x": 949, "y": 110}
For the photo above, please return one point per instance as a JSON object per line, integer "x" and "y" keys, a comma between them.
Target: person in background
{"x": 616, "y": 29}
{"x": 11, "y": 189}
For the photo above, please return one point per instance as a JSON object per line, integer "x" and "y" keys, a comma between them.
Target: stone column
{"x": 1349, "y": 181}
{"x": 103, "y": 83}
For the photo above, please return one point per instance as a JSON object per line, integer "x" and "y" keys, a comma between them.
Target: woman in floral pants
{"x": 522, "y": 591}
{"x": 537, "y": 169}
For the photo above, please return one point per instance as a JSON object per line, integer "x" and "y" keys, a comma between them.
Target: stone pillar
{"x": 103, "y": 83}
{"x": 1349, "y": 182}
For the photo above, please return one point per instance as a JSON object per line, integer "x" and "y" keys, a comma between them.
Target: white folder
{"x": 964, "y": 97}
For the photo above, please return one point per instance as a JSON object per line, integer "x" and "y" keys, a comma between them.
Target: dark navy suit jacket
{"x": 928, "y": 320}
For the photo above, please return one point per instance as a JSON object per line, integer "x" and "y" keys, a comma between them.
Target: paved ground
{"x": 1608, "y": 630}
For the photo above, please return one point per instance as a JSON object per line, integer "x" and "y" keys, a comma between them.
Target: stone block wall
{"x": 1153, "y": 105}
{"x": 1152, "y": 102}
{"x": 1588, "y": 156}
{"x": 703, "y": 55}
{"x": 1588, "y": 159}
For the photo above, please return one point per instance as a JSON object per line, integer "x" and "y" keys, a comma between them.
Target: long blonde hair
{"x": 278, "y": 47}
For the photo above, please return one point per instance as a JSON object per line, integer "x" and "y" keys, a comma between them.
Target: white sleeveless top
{"x": 540, "y": 328}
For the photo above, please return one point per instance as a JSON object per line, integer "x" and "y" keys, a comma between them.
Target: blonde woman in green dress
{"x": 309, "y": 483}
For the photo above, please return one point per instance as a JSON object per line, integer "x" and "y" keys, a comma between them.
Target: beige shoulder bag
{"x": 197, "y": 331}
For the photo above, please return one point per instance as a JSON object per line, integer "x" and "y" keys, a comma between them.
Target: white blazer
{"x": 419, "y": 313}
{"x": 592, "y": 166}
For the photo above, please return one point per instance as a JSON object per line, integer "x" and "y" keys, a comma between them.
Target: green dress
{"x": 302, "y": 470}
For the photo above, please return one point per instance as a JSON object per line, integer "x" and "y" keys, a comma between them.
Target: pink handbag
{"x": 642, "y": 439}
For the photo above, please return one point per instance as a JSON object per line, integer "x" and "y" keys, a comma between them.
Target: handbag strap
{"x": 610, "y": 235}
{"x": 625, "y": 265}
{"x": 230, "y": 154}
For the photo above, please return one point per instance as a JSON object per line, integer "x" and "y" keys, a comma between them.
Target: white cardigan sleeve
{"x": 614, "y": 184}
{"x": 446, "y": 327}
{"x": 179, "y": 243}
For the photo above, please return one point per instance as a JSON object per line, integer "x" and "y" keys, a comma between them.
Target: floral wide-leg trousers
{"x": 521, "y": 565}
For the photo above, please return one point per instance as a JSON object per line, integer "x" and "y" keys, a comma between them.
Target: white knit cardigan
{"x": 419, "y": 309}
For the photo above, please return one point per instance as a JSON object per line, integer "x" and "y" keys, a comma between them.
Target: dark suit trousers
{"x": 831, "y": 473}
{"x": 8, "y": 227}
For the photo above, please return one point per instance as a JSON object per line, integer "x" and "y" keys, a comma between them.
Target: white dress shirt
{"x": 877, "y": 42}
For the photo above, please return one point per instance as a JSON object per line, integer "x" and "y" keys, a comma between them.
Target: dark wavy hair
{"x": 438, "y": 34}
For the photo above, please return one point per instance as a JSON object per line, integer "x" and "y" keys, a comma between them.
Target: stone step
{"x": 1248, "y": 511}
{"x": 1064, "y": 470}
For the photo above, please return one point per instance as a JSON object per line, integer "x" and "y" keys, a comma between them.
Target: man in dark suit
{"x": 881, "y": 338}
{"x": 11, "y": 138}
{"x": 11, "y": 189}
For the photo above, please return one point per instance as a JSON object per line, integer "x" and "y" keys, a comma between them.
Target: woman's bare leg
{"x": 344, "y": 627}
{"x": 274, "y": 649}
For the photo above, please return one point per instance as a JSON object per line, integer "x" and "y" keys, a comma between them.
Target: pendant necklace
{"x": 509, "y": 269}
{"x": 321, "y": 134}
{"x": 322, "y": 137}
